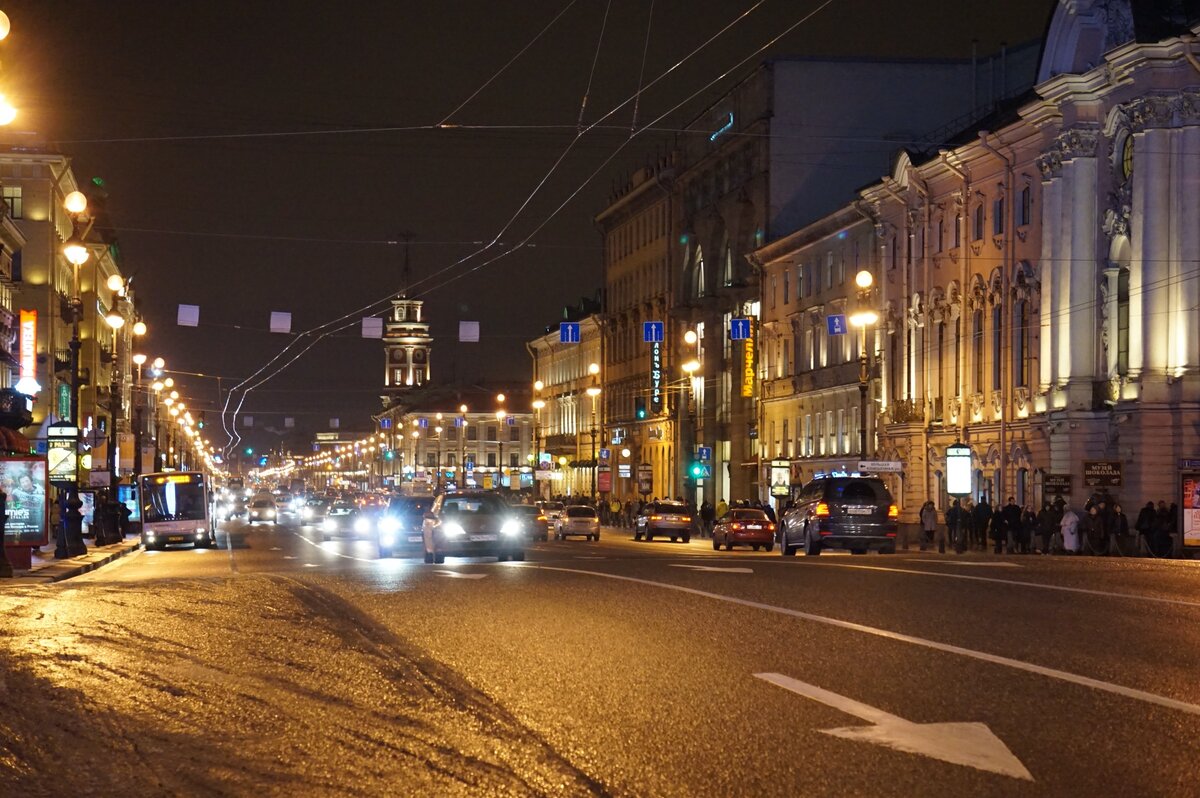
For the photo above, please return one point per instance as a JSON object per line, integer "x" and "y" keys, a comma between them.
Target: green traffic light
{"x": 697, "y": 470}
{"x": 249, "y": 451}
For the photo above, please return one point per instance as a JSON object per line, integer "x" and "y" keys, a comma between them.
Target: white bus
{"x": 176, "y": 510}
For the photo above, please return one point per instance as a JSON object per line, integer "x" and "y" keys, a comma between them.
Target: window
{"x": 810, "y": 279}
{"x": 727, "y": 267}
{"x": 828, "y": 270}
{"x": 941, "y": 236}
{"x": 843, "y": 440}
{"x": 12, "y": 196}
{"x": 799, "y": 281}
{"x": 451, "y": 460}
{"x": 491, "y": 459}
{"x": 808, "y": 437}
{"x": 472, "y": 433}
{"x": 513, "y": 459}
{"x": 996, "y": 343}
{"x": 786, "y": 285}
{"x": 514, "y": 433}
{"x": 998, "y": 217}
{"x": 1020, "y": 336}
{"x": 774, "y": 290}
{"x": 16, "y": 267}
{"x": 452, "y": 433}
{"x": 1123, "y": 321}
{"x": 820, "y": 435}
{"x": 840, "y": 275}
{"x": 786, "y": 451}
{"x": 957, "y": 231}
{"x": 831, "y": 431}
{"x": 893, "y": 255}
{"x": 397, "y": 376}
{"x": 431, "y": 459}
{"x": 1026, "y": 206}
{"x": 491, "y": 433}
{"x": 698, "y": 278}
{"x": 977, "y": 348}
{"x": 978, "y": 226}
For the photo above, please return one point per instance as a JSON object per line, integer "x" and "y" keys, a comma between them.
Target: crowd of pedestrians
{"x": 1099, "y": 528}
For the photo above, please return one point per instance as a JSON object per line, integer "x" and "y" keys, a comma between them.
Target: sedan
{"x": 471, "y": 524}
{"x": 664, "y": 518}
{"x": 578, "y": 520}
{"x": 345, "y": 520}
{"x": 534, "y": 523}
{"x": 744, "y": 527}
{"x": 400, "y": 522}
{"x": 314, "y": 511}
{"x": 261, "y": 511}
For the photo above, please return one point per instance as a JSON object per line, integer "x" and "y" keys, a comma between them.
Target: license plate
{"x": 753, "y": 526}
{"x": 482, "y": 538}
{"x": 175, "y": 539}
{"x": 414, "y": 538}
{"x": 860, "y": 510}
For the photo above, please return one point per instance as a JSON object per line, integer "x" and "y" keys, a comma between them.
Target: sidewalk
{"x": 47, "y": 569}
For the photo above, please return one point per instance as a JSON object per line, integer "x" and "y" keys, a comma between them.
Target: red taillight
{"x": 893, "y": 511}
{"x": 541, "y": 518}
{"x": 656, "y": 518}
{"x": 822, "y": 510}
{"x": 735, "y": 526}
{"x": 770, "y": 527}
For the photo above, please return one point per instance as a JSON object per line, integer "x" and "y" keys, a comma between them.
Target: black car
{"x": 472, "y": 524}
{"x": 400, "y": 522}
{"x": 345, "y": 520}
{"x": 851, "y": 512}
{"x": 534, "y": 523}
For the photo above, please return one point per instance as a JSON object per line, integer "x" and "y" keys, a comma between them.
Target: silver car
{"x": 577, "y": 520}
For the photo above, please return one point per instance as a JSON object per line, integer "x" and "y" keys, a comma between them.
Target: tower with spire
{"x": 406, "y": 342}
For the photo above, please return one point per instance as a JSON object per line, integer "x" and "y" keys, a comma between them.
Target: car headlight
{"x": 330, "y": 525}
{"x": 362, "y": 525}
{"x": 510, "y": 528}
{"x": 452, "y": 530}
{"x": 386, "y": 540}
{"x": 389, "y": 525}
{"x": 270, "y": 513}
{"x": 199, "y": 531}
{"x": 306, "y": 512}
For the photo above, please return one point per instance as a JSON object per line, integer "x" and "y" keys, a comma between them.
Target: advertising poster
{"x": 127, "y": 495}
{"x": 1191, "y": 510}
{"x": 24, "y": 480}
{"x": 781, "y": 477}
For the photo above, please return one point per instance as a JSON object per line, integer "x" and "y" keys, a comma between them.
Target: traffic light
{"x": 639, "y": 408}
{"x": 697, "y": 470}
{"x": 249, "y": 451}
{"x": 388, "y": 455}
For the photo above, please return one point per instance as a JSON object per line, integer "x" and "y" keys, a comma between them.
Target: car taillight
{"x": 541, "y": 518}
{"x": 893, "y": 511}
{"x": 770, "y": 527}
{"x": 686, "y": 518}
{"x": 656, "y": 518}
{"x": 822, "y": 510}
{"x": 735, "y": 526}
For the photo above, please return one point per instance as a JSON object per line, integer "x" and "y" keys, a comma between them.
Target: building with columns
{"x": 407, "y": 346}
{"x": 1036, "y": 276}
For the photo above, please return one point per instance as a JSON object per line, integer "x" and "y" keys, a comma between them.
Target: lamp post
{"x": 462, "y": 448}
{"x": 438, "y": 430}
{"x": 690, "y": 365}
{"x": 538, "y": 404}
{"x": 863, "y": 318}
{"x": 70, "y": 543}
{"x": 115, "y": 321}
{"x": 593, "y": 391}
{"x": 500, "y": 416}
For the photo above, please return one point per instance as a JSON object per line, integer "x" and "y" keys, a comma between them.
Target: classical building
{"x": 781, "y": 149}
{"x": 570, "y": 423}
{"x": 642, "y": 378}
{"x": 407, "y": 346}
{"x": 1035, "y": 275}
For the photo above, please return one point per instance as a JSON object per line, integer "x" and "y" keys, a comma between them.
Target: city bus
{"x": 176, "y": 510}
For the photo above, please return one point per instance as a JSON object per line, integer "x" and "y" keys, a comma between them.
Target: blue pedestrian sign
{"x": 739, "y": 329}
{"x": 605, "y": 454}
{"x": 568, "y": 332}
{"x": 653, "y": 332}
{"x": 704, "y": 452}
{"x": 837, "y": 323}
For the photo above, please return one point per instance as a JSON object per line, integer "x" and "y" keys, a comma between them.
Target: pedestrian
{"x": 982, "y": 518}
{"x": 1029, "y": 525}
{"x": 722, "y": 508}
{"x": 1124, "y": 543}
{"x": 1145, "y": 524}
{"x": 1008, "y": 525}
{"x": 770, "y": 511}
{"x": 707, "y": 516}
{"x": 928, "y": 525}
{"x": 955, "y": 525}
{"x": 1069, "y": 529}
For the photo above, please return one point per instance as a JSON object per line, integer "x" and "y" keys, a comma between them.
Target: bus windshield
{"x": 173, "y": 497}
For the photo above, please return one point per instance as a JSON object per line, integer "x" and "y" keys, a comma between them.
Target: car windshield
{"x": 580, "y": 512}
{"x": 669, "y": 509}
{"x": 173, "y": 499}
{"x": 262, "y": 503}
{"x": 473, "y": 505}
{"x": 410, "y": 505}
{"x": 341, "y": 508}
{"x": 748, "y": 515}
{"x": 525, "y": 509}
{"x": 552, "y": 506}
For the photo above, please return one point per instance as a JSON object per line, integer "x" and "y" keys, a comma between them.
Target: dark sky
{"x": 243, "y": 224}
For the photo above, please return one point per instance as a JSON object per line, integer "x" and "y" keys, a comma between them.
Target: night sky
{"x": 234, "y": 141}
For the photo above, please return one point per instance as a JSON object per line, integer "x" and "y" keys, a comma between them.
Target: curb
{"x": 59, "y": 572}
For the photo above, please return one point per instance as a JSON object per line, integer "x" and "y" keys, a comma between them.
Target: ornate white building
{"x": 406, "y": 345}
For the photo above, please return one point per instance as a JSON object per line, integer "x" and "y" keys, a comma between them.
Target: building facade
{"x": 407, "y": 348}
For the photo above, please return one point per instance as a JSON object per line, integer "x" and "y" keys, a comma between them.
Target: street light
{"x": 863, "y": 318}
{"x": 687, "y": 402}
{"x": 500, "y": 416}
{"x": 593, "y": 391}
{"x": 538, "y": 404}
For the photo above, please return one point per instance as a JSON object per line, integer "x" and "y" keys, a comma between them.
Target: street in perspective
{"x": 600, "y": 398}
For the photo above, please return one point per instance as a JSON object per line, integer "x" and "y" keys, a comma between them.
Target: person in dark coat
{"x": 1124, "y": 543}
{"x": 1145, "y": 524}
{"x": 1009, "y": 519}
{"x": 769, "y": 510}
{"x": 707, "y": 514}
{"x": 1046, "y": 527}
{"x": 1029, "y": 525}
{"x": 982, "y": 522}
{"x": 956, "y": 527}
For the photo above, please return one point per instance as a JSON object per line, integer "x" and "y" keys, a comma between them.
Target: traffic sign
{"x": 1187, "y": 464}
{"x": 605, "y": 454}
{"x": 880, "y": 465}
{"x": 568, "y": 332}
{"x": 837, "y": 323}
{"x": 704, "y": 452}
{"x": 653, "y": 332}
{"x": 739, "y": 329}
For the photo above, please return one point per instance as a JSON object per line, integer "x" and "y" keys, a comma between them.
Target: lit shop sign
{"x": 958, "y": 470}
{"x": 748, "y": 363}
{"x": 28, "y": 383}
{"x": 656, "y": 377}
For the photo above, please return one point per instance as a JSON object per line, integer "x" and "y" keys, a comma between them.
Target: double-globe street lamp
{"x": 864, "y": 318}
{"x": 538, "y": 404}
{"x": 593, "y": 391}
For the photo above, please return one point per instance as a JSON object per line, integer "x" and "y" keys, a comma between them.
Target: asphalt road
{"x": 285, "y": 665}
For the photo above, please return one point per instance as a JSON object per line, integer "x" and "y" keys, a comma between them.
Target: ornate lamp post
{"x": 538, "y": 404}
{"x": 462, "y": 448}
{"x": 863, "y": 318}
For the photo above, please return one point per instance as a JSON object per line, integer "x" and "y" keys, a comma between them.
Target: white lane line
{"x": 963, "y": 563}
{"x": 1018, "y": 582}
{"x": 457, "y": 575}
{"x": 319, "y": 547}
{"x": 983, "y": 656}
{"x": 712, "y": 568}
{"x": 971, "y": 745}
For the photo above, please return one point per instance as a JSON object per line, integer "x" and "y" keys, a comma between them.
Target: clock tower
{"x": 406, "y": 345}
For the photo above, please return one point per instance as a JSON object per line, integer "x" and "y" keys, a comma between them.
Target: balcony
{"x": 14, "y": 411}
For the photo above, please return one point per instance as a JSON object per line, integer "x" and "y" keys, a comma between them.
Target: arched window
{"x": 997, "y": 344}
{"x": 698, "y": 277}
{"x": 727, "y": 267}
{"x": 977, "y": 348}
{"x": 1020, "y": 343}
{"x": 1123, "y": 321}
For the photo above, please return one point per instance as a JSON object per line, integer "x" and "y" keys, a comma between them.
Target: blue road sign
{"x": 837, "y": 323}
{"x": 605, "y": 454}
{"x": 568, "y": 332}
{"x": 653, "y": 332}
{"x": 739, "y": 329}
{"x": 385, "y": 423}
{"x": 704, "y": 452}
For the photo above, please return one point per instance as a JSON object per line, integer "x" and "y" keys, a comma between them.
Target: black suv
{"x": 855, "y": 513}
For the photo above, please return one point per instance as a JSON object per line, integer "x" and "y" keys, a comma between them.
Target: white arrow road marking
{"x": 969, "y": 744}
{"x": 288, "y": 557}
{"x": 312, "y": 565}
{"x": 713, "y": 568}
{"x": 457, "y": 575}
